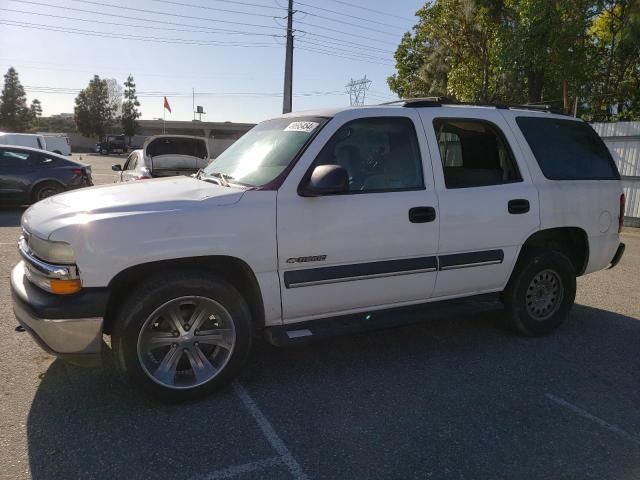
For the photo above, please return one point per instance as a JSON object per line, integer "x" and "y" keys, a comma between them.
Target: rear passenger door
{"x": 16, "y": 171}
{"x": 488, "y": 204}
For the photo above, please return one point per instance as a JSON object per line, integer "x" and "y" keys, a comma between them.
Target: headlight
{"x": 54, "y": 252}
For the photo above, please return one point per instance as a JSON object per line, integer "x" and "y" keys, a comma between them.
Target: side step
{"x": 305, "y": 332}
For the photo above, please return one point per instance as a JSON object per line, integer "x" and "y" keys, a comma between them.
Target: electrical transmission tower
{"x": 357, "y": 89}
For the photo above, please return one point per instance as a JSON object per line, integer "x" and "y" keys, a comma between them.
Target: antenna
{"x": 357, "y": 90}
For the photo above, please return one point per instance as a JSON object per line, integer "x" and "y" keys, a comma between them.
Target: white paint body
{"x": 31, "y": 140}
{"x": 58, "y": 144}
{"x": 114, "y": 227}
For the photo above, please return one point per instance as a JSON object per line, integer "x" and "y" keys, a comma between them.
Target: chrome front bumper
{"x": 43, "y": 315}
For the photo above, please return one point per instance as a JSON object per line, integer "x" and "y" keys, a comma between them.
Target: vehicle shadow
{"x": 469, "y": 393}
{"x": 10, "y": 216}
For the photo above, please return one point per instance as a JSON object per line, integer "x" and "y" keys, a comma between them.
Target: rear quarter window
{"x": 568, "y": 149}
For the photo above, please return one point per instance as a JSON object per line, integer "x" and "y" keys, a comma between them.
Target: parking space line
{"x": 236, "y": 470}
{"x": 270, "y": 434}
{"x": 599, "y": 421}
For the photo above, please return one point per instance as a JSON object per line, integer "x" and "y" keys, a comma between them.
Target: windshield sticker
{"x": 301, "y": 127}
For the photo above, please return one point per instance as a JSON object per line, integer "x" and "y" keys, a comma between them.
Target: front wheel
{"x": 182, "y": 336}
{"x": 540, "y": 292}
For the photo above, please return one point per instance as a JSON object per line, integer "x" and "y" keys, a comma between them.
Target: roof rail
{"x": 440, "y": 101}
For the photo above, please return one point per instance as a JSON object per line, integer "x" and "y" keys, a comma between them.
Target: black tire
{"x": 104, "y": 151}
{"x": 45, "y": 190}
{"x": 138, "y": 308}
{"x": 540, "y": 292}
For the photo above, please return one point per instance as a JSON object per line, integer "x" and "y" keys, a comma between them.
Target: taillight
{"x": 79, "y": 172}
{"x": 621, "y": 217}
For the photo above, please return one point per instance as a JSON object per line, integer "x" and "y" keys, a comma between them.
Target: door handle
{"x": 518, "y": 206}
{"x": 422, "y": 214}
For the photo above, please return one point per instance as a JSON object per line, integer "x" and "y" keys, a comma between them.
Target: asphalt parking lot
{"x": 454, "y": 397}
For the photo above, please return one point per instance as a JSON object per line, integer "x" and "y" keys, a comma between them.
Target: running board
{"x": 305, "y": 332}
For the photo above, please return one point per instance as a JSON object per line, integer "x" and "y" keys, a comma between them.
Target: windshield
{"x": 264, "y": 152}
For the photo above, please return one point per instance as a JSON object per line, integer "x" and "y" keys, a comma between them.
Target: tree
{"x": 130, "y": 112}
{"x": 35, "y": 110}
{"x": 581, "y": 54}
{"x": 93, "y": 112}
{"x": 15, "y": 116}
{"x": 115, "y": 94}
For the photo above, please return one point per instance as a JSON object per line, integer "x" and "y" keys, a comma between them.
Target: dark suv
{"x": 28, "y": 174}
{"x": 112, "y": 144}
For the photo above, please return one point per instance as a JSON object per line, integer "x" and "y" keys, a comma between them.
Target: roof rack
{"x": 441, "y": 101}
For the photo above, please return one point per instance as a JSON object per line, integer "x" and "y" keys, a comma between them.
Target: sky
{"x": 230, "y": 52}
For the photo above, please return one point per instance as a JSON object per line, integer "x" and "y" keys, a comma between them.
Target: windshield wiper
{"x": 223, "y": 178}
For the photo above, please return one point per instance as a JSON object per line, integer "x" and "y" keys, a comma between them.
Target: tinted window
{"x": 568, "y": 150}
{"x": 474, "y": 153}
{"x": 130, "y": 163}
{"x": 8, "y": 157}
{"x": 379, "y": 154}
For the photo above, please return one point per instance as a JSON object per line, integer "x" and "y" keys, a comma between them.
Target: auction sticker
{"x": 301, "y": 127}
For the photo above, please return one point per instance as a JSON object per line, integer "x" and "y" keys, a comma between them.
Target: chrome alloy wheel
{"x": 544, "y": 295}
{"x": 186, "y": 342}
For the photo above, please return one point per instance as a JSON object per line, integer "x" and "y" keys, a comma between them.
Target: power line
{"x": 369, "y": 9}
{"x": 128, "y": 17}
{"x": 347, "y": 15}
{"x": 332, "y": 54}
{"x": 248, "y": 4}
{"x": 215, "y": 9}
{"x": 350, "y": 24}
{"x": 123, "y": 36}
{"x": 350, "y": 34}
{"x": 348, "y": 51}
{"x": 338, "y": 41}
{"x": 102, "y": 22}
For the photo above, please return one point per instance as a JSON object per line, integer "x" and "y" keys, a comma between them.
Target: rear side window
{"x": 474, "y": 153}
{"x": 568, "y": 150}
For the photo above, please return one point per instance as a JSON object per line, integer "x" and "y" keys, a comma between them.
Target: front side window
{"x": 265, "y": 151}
{"x": 379, "y": 154}
{"x": 474, "y": 153}
{"x": 567, "y": 149}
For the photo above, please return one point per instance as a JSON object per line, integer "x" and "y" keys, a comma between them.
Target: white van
{"x": 59, "y": 144}
{"x": 23, "y": 140}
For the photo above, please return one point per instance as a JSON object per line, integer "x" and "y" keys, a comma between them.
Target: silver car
{"x": 164, "y": 156}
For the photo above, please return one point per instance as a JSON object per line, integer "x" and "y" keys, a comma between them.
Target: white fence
{"x": 623, "y": 140}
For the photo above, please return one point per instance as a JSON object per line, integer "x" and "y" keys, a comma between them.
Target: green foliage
{"x": 94, "y": 111}
{"x": 562, "y": 52}
{"x": 130, "y": 113}
{"x": 15, "y": 115}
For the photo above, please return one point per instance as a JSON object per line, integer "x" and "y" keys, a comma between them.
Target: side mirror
{"x": 326, "y": 180}
{"x": 116, "y": 168}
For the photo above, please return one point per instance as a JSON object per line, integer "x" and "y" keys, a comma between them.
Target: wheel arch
{"x": 570, "y": 241}
{"x": 234, "y": 270}
{"x": 41, "y": 181}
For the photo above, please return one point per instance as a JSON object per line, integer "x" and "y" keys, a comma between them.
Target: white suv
{"x": 318, "y": 223}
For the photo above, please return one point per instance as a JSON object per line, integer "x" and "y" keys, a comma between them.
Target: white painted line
{"x": 236, "y": 470}
{"x": 599, "y": 421}
{"x": 269, "y": 433}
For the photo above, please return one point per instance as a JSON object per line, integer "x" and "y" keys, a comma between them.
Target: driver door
{"x": 373, "y": 246}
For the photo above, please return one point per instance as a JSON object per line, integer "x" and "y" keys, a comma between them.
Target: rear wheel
{"x": 540, "y": 292}
{"x": 182, "y": 336}
{"x": 45, "y": 190}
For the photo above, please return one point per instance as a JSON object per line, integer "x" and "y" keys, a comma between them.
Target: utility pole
{"x": 288, "y": 63}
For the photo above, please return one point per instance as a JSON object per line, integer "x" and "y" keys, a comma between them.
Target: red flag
{"x": 166, "y": 104}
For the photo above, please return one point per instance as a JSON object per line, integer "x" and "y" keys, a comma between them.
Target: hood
{"x": 163, "y": 145}
{"x": 132, "y": 198}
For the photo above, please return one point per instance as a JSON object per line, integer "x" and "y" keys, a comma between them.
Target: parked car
{"x": 164, "y": 156}
{"x": 112, "y": 144}
{"x": 59, "y": 144}
{"x": 28, "y": 175}
{"x": 31, "y": 140}
{"x": 319, "y": 223}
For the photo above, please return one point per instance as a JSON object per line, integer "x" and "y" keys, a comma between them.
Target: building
{"x": 219, "y": 134}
